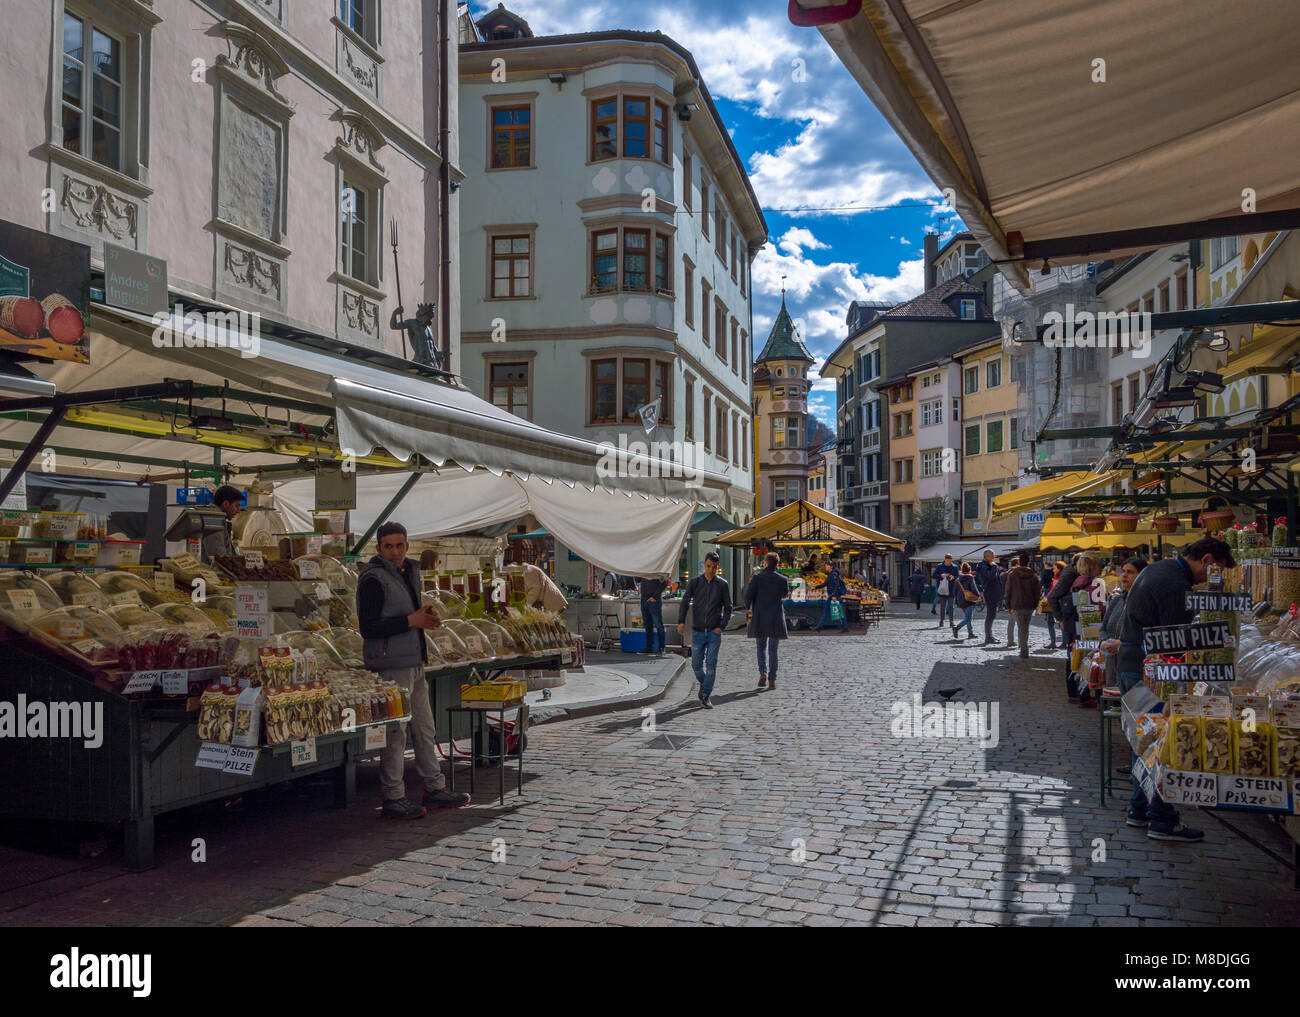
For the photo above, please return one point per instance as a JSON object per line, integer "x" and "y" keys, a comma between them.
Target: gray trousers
{"x": 392, "y": 761}
{"x": 1021, "y": 617}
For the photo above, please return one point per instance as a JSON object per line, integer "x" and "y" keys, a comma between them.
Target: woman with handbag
{"x": 1050, "y": 576}
{"x": 970, "y": 596}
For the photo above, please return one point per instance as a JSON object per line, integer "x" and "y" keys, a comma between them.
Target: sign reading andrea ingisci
{"x": 44, "y": 294}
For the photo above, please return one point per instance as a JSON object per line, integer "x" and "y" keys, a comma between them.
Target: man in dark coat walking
{"x": 988, "y": 577}
{"x": 916, "y": 585}
{"x": 764, "y": 597}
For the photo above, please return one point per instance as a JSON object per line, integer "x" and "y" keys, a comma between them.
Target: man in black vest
{"x": 392, "y": 621}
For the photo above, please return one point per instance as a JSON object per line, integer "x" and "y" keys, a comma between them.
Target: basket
{"x": 1165, "y": 524}
{"x": 1215, "y": 520}
{"x": 1123, "y": 522}
{"x": 1092, "y": 523}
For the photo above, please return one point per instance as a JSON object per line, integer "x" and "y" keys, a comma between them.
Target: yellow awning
{"x": 1043, "y": 493}
{"x": 1270, "y": 347}
{"x": 1060, "y": 533}
{"x": 802, "y": 520}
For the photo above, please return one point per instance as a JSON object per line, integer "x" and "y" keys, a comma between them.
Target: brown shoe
{"x": 762, "y": 680}
{"x": 771, "y": 683}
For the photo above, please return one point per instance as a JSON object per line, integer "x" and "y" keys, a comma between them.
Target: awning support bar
{"x": 25, "y": 458}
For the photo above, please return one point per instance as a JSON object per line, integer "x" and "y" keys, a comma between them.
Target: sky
{"x": 810, "y": 140}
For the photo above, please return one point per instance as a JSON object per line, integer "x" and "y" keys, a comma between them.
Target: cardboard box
{"x": 500, "y": 690}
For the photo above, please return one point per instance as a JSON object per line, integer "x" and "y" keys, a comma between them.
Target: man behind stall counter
{"x": 392, "y": 620}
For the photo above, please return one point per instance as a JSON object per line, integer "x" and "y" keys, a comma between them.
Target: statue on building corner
{"x": 418, "y": 331}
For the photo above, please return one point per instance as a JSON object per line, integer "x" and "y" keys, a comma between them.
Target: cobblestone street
{"x": 706, "y": 820}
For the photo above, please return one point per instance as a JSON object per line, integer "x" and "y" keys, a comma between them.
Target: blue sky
{"x": 816, "y": 143}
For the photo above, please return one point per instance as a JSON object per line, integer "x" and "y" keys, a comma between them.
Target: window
{"x": 664, "y": 390}
{"x": 708, "y": 426}
{"x": 970, "y": 504}
{"x": 688, "y": 424}
{"x": 932, "y": 462}
{"x": 973, "y": 440}
{"x": 903, "y": 471}
{"x": 509, "y": 388}
{"x": 735, "y": 346}
{"x": 636, "y": 388}
{"x": 779, "y": 494}
{"x": 720, "y": 231}
{"x": 361, "y": 16}
{"x": 644, "y": 128}
{"x": 604, "y": 391}
{"x": 968, "y": 310}
{"x": 354, "y": 223}
{"x": 743, "y": 266}
{"x": 989, "y": 495}
{"x": 1134, "y": 390}
{"x": 705, "y": 289}
{"x": 792, "y": 433}
{"x": 735, "y": 261}
{"x": 778, "y": 432}
{"x": 1183, "y": 303}
{"x": 1015, "y": 433}
{"x": 722, "y": 429}
{"x": 633, "y": 247}
{"x": 720, "y": 329}
{"x": 512, "y": 266}
{"x": 972, "y": 380}
{"x": 1117, "y": 402}
{"x": 512, "y": 137}
{"x": 993, "y": 436}
{"x": 690, "y": 291}
{"x": 745, "y": 442}
{"x": 687, "y": 185}
{"x": 604, "y": 261}
{"x": 1223, "y": 250}
{"x": 1164, "y": 296}
{"x": 778, "y": 392}
{"x": 735, "y": 438}
{"x": 993, "y": 373}
{"x": 932, "y": 412}
{"x": 745, "y": 355}
{"x": 1149, "y": 301}
{"x": 92, "y": 104}
{"x": 704, "y": 205}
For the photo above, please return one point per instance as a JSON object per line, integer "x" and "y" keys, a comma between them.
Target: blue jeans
{"x": 652, "y": 614}
{"x": 1159, "y": 812}
{"x": 966, "y": 613}
{"x": 1051, "y": 627}
{"x": 704, "y": 658}
{"x": 826, "y": 614}
{"x": 767, "y": 664}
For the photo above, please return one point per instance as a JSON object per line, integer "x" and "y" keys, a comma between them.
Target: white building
{"x": 607, "y": 233}
{"x": 938, "y": 434}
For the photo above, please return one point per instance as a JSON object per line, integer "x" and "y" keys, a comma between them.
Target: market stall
{"x": 800, "y": 530}
{"x": 220, "y": 676}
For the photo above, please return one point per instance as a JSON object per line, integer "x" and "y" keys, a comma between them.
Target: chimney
{"x": 931, "y": 252}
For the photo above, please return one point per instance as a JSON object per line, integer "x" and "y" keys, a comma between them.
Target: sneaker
{"x": 1134, "y": 819}
{"x": 445, "y": 799}
{"x": 701, "y": 697}
{"x": 954, "y": 632}
{"x": 402, "y": 808}
{"x": 762, "y": 681}
{"x": 1179, "y": 832}
{"x": 708, "y": 703}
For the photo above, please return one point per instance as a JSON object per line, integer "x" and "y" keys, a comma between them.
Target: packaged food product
{"x": 1184, "y": 743}
{"x": 476, "y": 643}
{"x": 247, "y": 728}
{"x": 217, "y": 713}
{"x": 1253, "y": 750}
{"x": 77, "y": 588}
{"x": 135, "y": 616}
{"x": 271, "y": 570}
{"x": 82, "y": 633}
{"x": 1286, "y": 752}
{"x": 502, "y": 643}
{"x": 1216, "y": 737}
{"x": 23, "y": 597}
{"x": 448, "y": 646}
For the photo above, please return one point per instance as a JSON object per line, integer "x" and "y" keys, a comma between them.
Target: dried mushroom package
{"x": 1254, "y": 750}
{"x": 1184, "y": 742}
{"x": 1286, "y": 752}
{"x": 1216, "y": 735}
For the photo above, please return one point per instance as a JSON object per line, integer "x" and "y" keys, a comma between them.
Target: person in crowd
{"x": 392, "y": 619}
{"x": 1158, "y": 597}
{"x": 707, "y": 603}
{"x": 1093, "y": 587}
{"x": 835, "y": 590}
{"x": 1062, "y": 607}
{"x": 966, "y": 584}
{"x": 222, "y": 541}
{"x": 608, "y": 584}
{"x": 945, "y": 578}
{"x": 1049, "y": 577}
{"x": 988, "y": 577}
{"x": 652, "y": 614}
{"x": 810, "y": 566}
{"x": 1022, "y": 600}
{"x": 916, "y": 585}
{"x": 539, "y": 588}
{"x": 884, "y": 581}
{"x": 764, "y": 597}
{"x": 1112, "y": 621}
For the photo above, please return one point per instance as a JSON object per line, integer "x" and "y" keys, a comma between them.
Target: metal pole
{"x": 29, "y": 453}
{"x": 374, "y": 525}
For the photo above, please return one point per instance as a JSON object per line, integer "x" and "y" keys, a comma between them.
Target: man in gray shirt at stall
{"x": 392, "y": 621}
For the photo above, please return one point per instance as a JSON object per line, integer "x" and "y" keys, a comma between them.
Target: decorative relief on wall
{"x": 360, "y": 138}
{"x": 253, "y": 271}
{"x": 94, "y": 207}
{"x": 361, "y": 315}
{"x": 362, "y": 70}
{"x": 252, "y": 58}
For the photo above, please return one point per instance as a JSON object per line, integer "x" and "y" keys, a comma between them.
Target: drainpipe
{"x": 444, "y": 181}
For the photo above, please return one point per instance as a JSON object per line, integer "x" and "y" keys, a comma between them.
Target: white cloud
{"x": 796, "y": 237}
{"x": 902, "y": 240}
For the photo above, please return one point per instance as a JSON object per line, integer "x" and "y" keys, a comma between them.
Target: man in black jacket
{"x": 652, "y": 614}
{"x": 707, "y": 602}
{"x": 1158, "y": 597}
{"x": 765, "y": 597}
{"x": 988, "y": 577}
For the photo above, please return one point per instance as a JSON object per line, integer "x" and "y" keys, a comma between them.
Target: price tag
{"x": 176, "y": 683}
{"x": 163, "y": 581}
{"x": 376, "y": 737}
{"x": 254, "y": 559}
{"x": 308, "y": 569}
{"x": 39, "y": 556}
{"x": 240, "y": 761}
{"x": 303, "y": 752}
{"x": 1253, "y": 792}
{"x": 63, "y": 526}
{"x": 126, "y": 597}
{"x": 315, "y": 541}
{"x": 252, "y": 615}
{"x": 1185, "y": 787}
{"x": 70, "y": 628}
{"x": 141, "y": 681}
{"x": 23, "y": 600}
{"x": 83, "y": 550}
{"x": 212, "y": 756}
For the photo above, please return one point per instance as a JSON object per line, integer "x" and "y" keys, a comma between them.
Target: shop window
{"x": 512, "y": 266}
{"x": 512, "y": 137}
{"x": 509, "y": 388}
{"x": 93, "y": 104}
{"x": 604, "y": 391}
